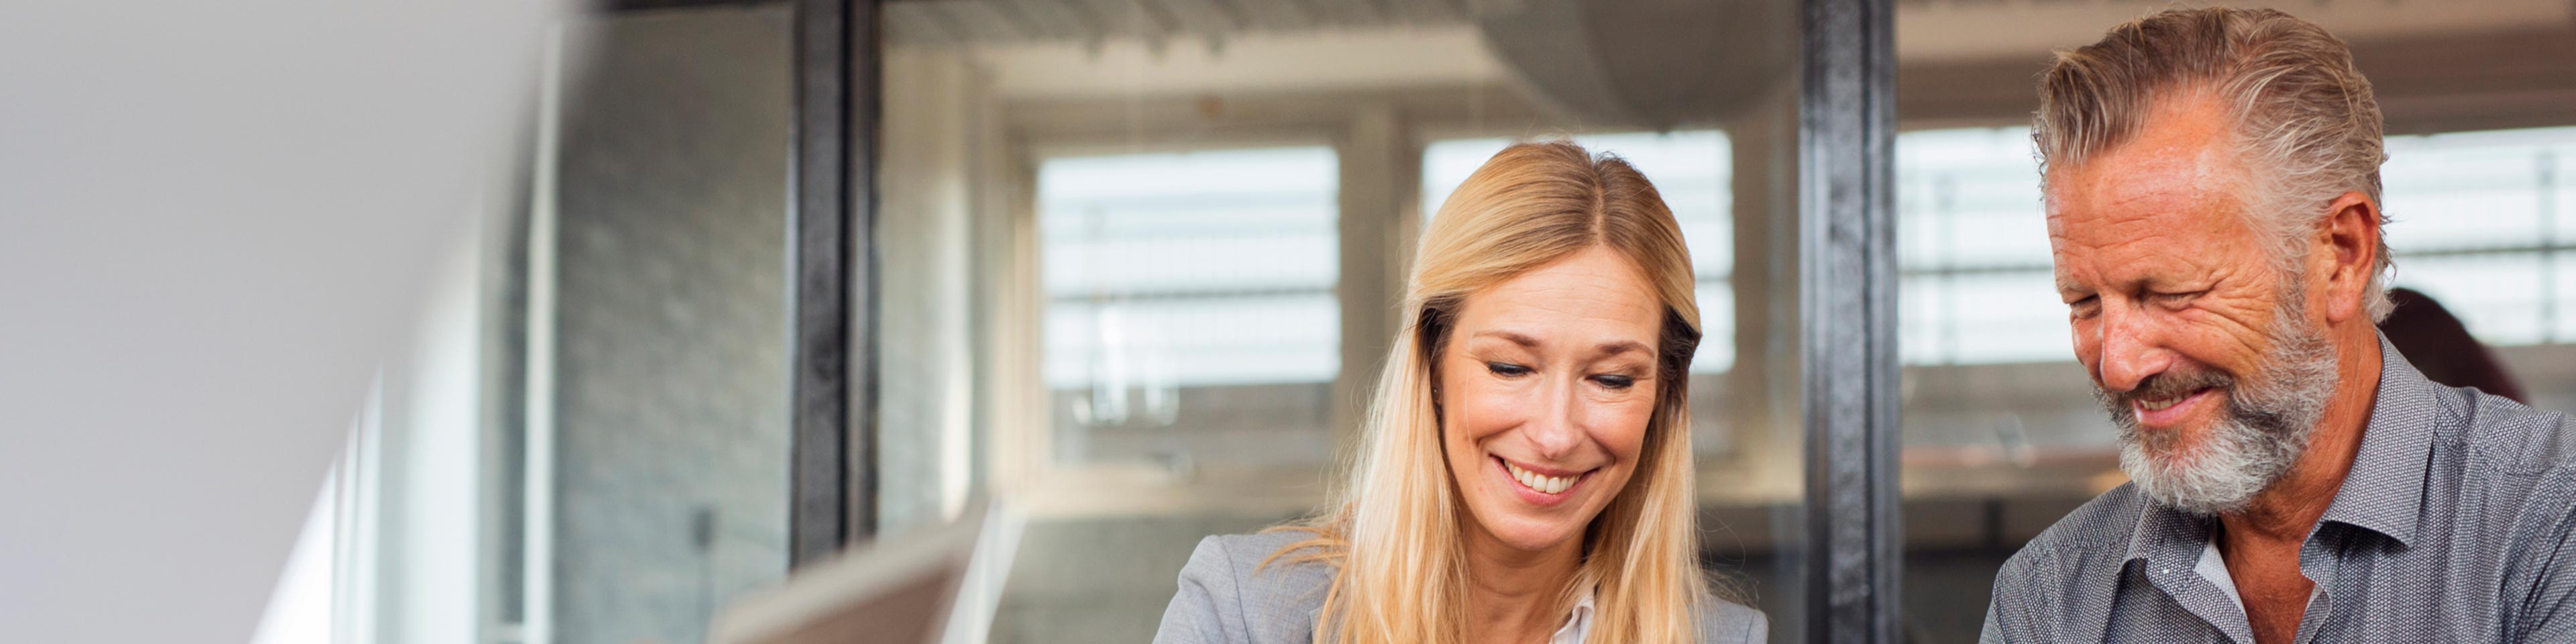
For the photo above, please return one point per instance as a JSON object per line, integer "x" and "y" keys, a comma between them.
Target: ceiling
{"x": 1926, "y": 29}
{"x": 2457, "y": 63}
{"x": 1094, "y": 21}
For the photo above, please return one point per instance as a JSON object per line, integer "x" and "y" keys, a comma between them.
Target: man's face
{"x": 2201, "y": 348}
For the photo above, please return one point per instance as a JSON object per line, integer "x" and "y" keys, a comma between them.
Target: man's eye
{"x": 2175, "y": 298}
{"x": 1615, "y": 382}
{"x": 1506, "y": 369}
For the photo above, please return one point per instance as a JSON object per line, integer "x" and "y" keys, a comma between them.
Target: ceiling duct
{"x": 1657, "y": 64}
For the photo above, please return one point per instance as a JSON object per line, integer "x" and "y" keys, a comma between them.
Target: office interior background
{"x": 1133, "y": 263}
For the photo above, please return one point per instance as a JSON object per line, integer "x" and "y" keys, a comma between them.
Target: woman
{"x": 1527, "y": 469}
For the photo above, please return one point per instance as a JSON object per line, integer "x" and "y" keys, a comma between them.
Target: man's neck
{"x": 1513, "y": 593}
{"x": 2261, "y": 544}
{"x": 2286, "y": 511}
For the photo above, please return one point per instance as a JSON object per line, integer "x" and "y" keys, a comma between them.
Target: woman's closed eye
{"x": 1507, "y": 370}
{"x": 1615, "y": 382}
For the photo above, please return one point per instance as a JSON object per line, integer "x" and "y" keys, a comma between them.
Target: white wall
{"x": 214, "y": 219}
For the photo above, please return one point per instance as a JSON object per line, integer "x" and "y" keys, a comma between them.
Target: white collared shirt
{"x": 2214, "y": 568}
{"x": 1577, "y": 623}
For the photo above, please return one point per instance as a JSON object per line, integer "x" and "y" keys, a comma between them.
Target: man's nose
{"x": 2130, "y": 351}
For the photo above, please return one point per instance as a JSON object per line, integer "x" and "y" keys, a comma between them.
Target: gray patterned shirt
{"x": 2454, "y": 525}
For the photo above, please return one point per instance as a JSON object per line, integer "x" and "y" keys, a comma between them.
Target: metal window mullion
{"x": 2546, "y": 166}
{"x": 1848, "y": 301}
{"x": 832, "y": 270}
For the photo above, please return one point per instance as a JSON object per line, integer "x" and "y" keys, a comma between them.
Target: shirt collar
{"x": 2382, "y": 493}
{"x": 2166, "y": 535}
{"x": 1578, "y": 623}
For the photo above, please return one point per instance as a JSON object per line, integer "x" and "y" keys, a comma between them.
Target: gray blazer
{"x": 1222, "y": 601}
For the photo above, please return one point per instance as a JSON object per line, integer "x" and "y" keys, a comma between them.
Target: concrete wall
{"x": 672, "y": 390}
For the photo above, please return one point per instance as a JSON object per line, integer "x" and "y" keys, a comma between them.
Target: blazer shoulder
{"x": 1261, "y": 560}
{"x": 1275, "y": 602}
{"x": 1726, "y": 622}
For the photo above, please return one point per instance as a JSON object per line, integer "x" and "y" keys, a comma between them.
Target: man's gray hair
{"x": 2305, "y": 117}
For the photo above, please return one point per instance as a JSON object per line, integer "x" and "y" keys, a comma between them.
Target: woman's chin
{"x": 1535, "y": 535}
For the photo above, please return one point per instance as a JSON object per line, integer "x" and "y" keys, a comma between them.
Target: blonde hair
{"x": 2305, "y": 117}
{"x": 1394, "y": 536}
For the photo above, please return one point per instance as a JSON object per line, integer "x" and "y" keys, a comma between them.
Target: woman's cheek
{"x": 1624, "y": 425}
{"x": 1494, "y": 407}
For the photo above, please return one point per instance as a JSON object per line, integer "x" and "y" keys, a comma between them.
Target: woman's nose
{"x": 1554, "y": 433}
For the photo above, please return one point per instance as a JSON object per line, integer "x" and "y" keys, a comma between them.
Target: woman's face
{"x": 1545, "y": 388}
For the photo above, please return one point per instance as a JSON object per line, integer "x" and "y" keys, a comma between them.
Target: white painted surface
{"x": 215, "y": 219}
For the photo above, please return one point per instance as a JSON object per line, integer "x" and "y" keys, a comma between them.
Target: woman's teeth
{"x": 1540, "y": 482}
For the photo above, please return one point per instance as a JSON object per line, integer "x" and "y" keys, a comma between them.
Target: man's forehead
{"x": 2154, "y": 219}
{"x": 2183, "y": 152}
{"x": 2158, "y": 192}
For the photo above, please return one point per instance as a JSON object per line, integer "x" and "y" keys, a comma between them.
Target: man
{"x": 2212, "y": 187}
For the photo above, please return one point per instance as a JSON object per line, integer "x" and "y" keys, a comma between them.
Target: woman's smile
{"x": 1541, "y": 486}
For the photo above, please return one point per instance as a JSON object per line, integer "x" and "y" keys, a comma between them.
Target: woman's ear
{"x": 1434, "y": 376}
{"x": 1431, "y": 330}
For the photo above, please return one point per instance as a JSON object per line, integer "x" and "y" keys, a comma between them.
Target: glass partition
{"x": 1138, "y": 261}
{"x": 668, "y": 424}
{"x": 1171, "y": 239}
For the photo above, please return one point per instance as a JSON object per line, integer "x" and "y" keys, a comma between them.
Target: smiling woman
{"x": 1526, "y": 474}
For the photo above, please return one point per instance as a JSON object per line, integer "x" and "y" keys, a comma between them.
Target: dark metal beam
{"x": 1847, "y": 251}
{"x": 832, "y": 267}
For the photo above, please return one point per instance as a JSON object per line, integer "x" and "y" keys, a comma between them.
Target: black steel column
{"x": 832, "y": 265}
{"x": 1847, "y": 246}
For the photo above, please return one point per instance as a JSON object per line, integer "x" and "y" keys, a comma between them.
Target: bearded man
{"x": 2211, "y": 179}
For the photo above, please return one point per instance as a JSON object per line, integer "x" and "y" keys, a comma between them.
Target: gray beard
{"x": 2259, "y": 435}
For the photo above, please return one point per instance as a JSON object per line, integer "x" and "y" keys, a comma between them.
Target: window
{"x": 2485, "y": 223}
{"x": 1977, "y": 283}
{"x": 1189, "y": 303}
{"x": 1693, "y": 169}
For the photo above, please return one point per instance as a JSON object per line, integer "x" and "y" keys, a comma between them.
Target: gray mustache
{"x": 2163, "y": 385}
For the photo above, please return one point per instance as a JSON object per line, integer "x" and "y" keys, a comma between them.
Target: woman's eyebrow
{"x": 1515, "y": 337}
{"x": 1611, "y": 348}
{"x": 1617, "y": 347}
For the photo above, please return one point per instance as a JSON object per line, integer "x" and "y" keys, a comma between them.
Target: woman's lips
{"x": 1540, "y": 486}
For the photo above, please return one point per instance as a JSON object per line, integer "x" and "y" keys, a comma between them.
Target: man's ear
{"x": 2351, "y": 238}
